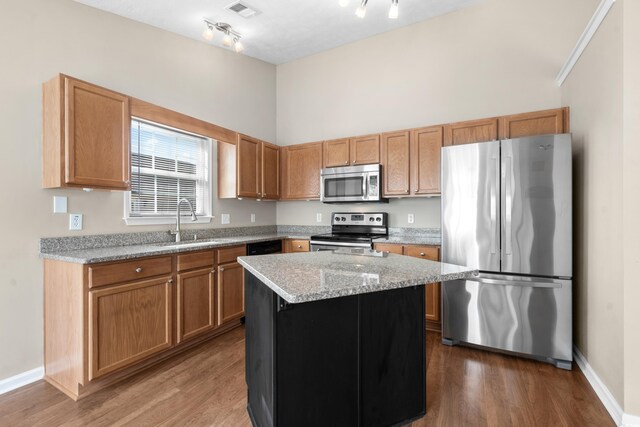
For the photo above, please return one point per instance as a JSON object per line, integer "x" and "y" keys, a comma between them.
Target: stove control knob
{"x": 371, "y": 219}
{"x": 337, "y": 218}
{"x": 378, "y": 219}
{"x": 344, "y": 219}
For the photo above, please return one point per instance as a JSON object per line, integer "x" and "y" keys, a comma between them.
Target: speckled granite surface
{"x": 116, "y": 253}
{"x": 311, "y": 276}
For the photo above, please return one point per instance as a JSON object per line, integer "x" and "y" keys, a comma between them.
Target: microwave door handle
{"x": 365, "y": 179}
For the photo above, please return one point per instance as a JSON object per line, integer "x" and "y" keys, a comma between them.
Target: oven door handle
{"x": 353, "y": 245}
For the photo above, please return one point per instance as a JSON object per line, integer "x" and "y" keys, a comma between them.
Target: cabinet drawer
{"x": 389, "y": 248}
{"x": 226, "y": 255}
{"x": 299, "y": 245}
{"x": 107, "y": 274}
{"x": 426, "y": 252}
{"x": 193, "y": 260}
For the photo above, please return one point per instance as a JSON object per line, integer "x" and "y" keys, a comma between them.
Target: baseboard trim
{"x": 22, "y": 379}
{"x": 610, "y": 403}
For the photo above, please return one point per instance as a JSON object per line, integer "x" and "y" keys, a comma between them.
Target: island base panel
{"x": 349, "y": 361}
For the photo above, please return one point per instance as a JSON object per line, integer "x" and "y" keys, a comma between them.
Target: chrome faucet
{"x": 193, "y": 218}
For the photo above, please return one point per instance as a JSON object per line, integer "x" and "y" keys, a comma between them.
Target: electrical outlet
{"x": 253, "y": 217}
{"x": 318, "y": 217}
{"x": 225, "y": 219}
{"x": 411, "y": 219}
{"x": 75, "y": 222}
{"x": 59, "y": 204}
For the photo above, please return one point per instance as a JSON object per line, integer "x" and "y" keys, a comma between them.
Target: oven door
{"x": 317, "y": 245}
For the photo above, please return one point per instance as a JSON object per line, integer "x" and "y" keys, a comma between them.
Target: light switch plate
{"x": 225, "y": 219}
{"x": 59, "y": 204}
{"x": 75, "y": 222}
{"x": 411, "y": 219}
{"x": 318, "y": 217}
{"x": 253, "y": 217}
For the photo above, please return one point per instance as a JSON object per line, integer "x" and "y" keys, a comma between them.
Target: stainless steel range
{"x": 352, "y": 230}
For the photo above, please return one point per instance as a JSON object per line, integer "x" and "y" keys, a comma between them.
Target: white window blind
{"x": 167, "y": 165}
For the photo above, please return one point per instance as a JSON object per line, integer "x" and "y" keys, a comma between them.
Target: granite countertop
{"x": 304, "y": 277}
{"x": 117, "y": 253}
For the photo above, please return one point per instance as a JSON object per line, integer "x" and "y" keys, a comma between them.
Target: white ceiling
{"x": 286, "y": 29}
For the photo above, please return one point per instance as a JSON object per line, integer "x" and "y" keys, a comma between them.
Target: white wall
{"x": 497, "y": 57}
{"x": 39, "y": 38}
{"x": 594, "y": 91}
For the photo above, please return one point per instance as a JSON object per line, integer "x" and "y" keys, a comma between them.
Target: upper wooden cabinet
{"x": 301, "y": 165}
{"x": 471, "y": 131}
{"x": 411, "y": 162}
{"x": 248, "y": 168}
{"x": 364, "y": 149}
{"x": 426, "y": 144}
{"x": 534, "y": 123}
{"x": 395, "y": 155}
{"x": 86, "y": 136}
{"x": 336, "y": 153}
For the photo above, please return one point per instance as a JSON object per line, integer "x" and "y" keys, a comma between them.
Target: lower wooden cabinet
{"x": 296, "y": 245}
{"x": 105, "y": 321}
{"x": 196, "y": 303}
{"x": 231, "y": 292}
{"x": 432, "y": 290}
{"x": 129, "y": 322}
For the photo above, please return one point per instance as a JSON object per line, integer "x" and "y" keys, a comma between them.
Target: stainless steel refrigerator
{"x": 507, "y": 210}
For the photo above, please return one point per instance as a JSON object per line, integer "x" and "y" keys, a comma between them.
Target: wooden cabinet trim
{"x": 96, "y": 370}
{"x": 227, "y": 170}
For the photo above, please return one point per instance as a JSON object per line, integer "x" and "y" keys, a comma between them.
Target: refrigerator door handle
{"x": 508, "y": 197}
{"x": 494, "y": 206}
{"x": 502, "y": 282}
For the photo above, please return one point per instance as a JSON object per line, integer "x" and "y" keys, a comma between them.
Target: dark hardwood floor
{"x": 205, "y": 386}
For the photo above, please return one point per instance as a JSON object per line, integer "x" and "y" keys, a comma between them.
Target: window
{"x": 166, "y": 166}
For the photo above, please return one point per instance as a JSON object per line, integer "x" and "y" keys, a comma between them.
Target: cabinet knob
{"x": 354, "y": 162}
{"x": 387, "y": 252}
{"x": 221, "y": 269}
{"x": 346, "y": 162}
{"x": 421, "y": 253}
{"x": 299, "y": 246}
{"x": 213, "y": 271}
{"x": 170, "y": 281}
{"x": 126, "y": 181}
{"x": 139, "y": 270}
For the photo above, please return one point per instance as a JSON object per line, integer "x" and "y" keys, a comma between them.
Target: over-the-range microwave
{"x": 348, "y": 184}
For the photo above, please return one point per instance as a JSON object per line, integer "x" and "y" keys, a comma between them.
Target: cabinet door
{"x": 301, "y": 167}
{"x": 249, "y": 167}
{"x": 129, "y": 322}
{"x": 432, "y": 290}
{"x": 425, "y": 160}
{"x": 336, "y": 153}
{"x": 97, "y": 136}
{"x": 230, "y": 292}
{"x": 395, "y": 155}
{"x": 297, "y": 246}
{"x": 471, "y": 131}
{"x": 270, "y": 171}
{"x": 535, "y": 123}
{"x": 388, "y": 248}
{"x": 365, "y": 149}
{"x": 196, "y": 305}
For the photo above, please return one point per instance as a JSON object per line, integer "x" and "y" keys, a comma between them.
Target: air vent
{"x": 243, "y": 9}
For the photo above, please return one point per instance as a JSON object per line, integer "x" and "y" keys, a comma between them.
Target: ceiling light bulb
{"x": 208, "y": 33}
{"x": 227, "y": 40}
{"x": 361, "y": 11}
{"x": 393, "y": 11}
{"x": 344, "y": 3}
{"x": 238, "y": 46}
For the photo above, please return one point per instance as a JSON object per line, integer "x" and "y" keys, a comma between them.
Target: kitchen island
{"x": 337, "y": 339}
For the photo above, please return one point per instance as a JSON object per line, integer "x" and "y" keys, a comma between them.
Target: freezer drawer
{"x": 520, "y": 314}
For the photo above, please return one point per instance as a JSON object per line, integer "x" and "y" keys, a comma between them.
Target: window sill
{"x": 166, "y": 220}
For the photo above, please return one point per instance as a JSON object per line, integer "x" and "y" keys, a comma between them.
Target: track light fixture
{"x": 361, "y": 11}
{"x": 230, "y": 38}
